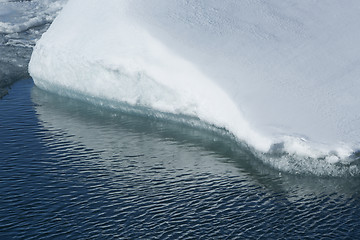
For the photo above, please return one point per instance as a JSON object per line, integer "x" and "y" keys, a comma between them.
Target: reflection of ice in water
{"x": 119, "y": 137}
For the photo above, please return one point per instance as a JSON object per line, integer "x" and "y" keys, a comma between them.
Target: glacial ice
{"x": 282, "y": 76}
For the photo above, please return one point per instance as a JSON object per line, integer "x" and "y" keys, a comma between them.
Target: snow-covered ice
{"x": 282, "y": 76}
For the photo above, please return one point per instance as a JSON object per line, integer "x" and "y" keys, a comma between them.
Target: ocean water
{"x": 73, "y": 170}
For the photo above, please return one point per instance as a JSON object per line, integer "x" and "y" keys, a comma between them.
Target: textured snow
{"x": 282, "y": 76}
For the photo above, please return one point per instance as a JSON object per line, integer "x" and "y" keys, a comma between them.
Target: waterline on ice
{"x": 265, "y": 76}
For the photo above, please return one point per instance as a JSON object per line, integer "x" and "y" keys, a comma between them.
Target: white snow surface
{"x": 279, "y": 75}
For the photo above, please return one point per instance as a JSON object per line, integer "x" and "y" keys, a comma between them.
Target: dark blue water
{"x": 71, "y": 170}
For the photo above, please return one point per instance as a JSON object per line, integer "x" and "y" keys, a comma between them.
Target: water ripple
{"x": 71, "y": 171}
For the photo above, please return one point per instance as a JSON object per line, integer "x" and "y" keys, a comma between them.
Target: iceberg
{"x": 281, "y": 76}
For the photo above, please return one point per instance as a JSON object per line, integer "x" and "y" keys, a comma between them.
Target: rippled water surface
{"x": 71, "y": 170}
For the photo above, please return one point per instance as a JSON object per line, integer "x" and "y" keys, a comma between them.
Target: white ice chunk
{"x": 268, "y": 71}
